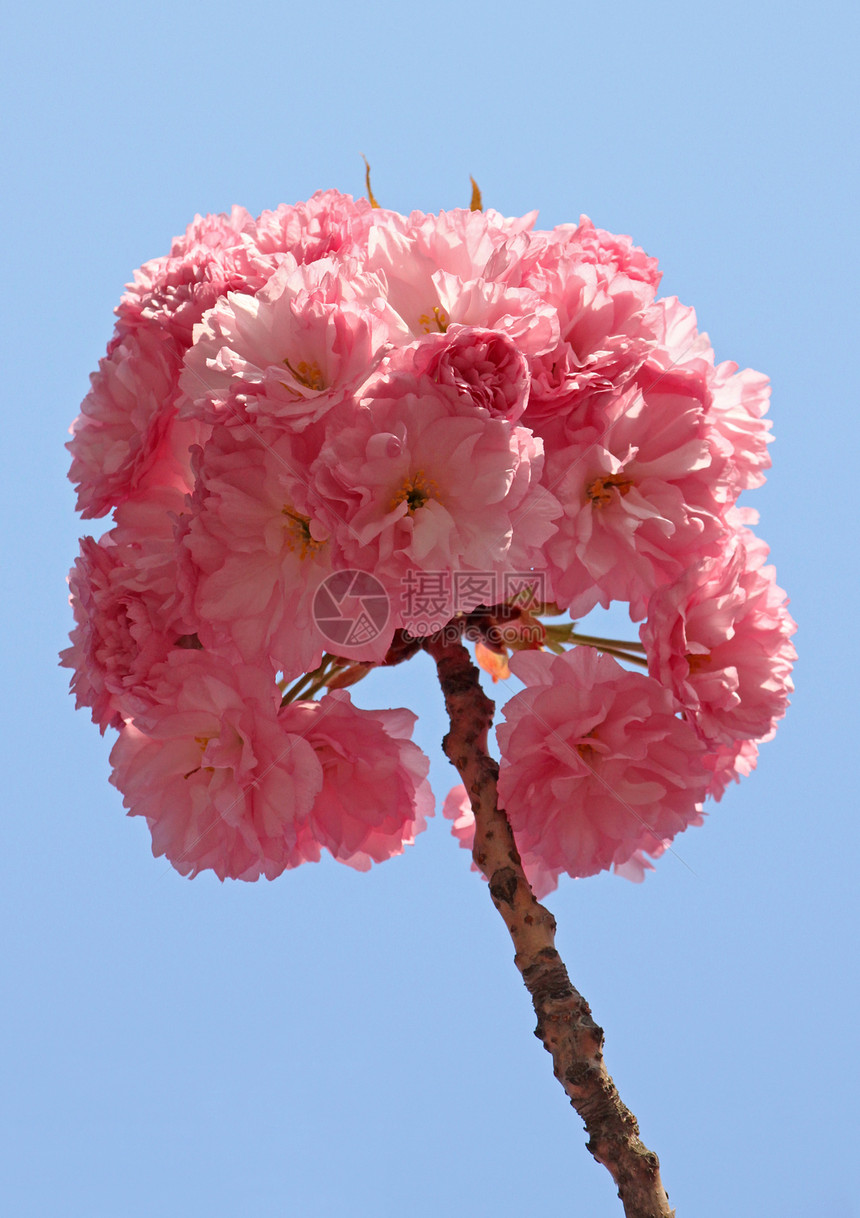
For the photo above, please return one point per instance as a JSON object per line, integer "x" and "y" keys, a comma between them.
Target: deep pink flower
{"x": 126, "y": 617}
{"x": 122, "y": 430}
{"x": 483, "y": 366}
{"x": 595, "y": 765}
{"x": 169, "y": 295}
{"x": 121, "y": 435}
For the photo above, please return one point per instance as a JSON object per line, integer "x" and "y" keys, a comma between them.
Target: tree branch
{"x": 564, "y": 1021}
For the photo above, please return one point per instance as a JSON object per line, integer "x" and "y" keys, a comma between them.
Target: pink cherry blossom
{"x": 328, "y": 224}
{"x": 720, "y": 639}
{"x": 595, "y": 765}
{"x": 425, "y": 482}
{"x": 259, "y": 542}
{"x": 124, "y": 421}
{"x": 604, "y": 335}
{"x": 739, "y": 400}
{"x": 375, "y": 797}
{"x": 333, "y": 406}
{"x": 221, "y": 782}
{"x": 639, "y": 502}
{"x": 127, "y": 621}
{"x": 305, "y": 342}
{"x": 485, "y": 366}
{"x": 169, "y": 295}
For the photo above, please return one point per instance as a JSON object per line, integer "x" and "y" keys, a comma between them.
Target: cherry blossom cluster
{"x": 447, "y": 422}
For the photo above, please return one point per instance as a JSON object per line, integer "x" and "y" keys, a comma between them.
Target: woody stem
{"x": 564, "y": 1021}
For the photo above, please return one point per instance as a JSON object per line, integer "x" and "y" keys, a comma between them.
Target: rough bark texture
{"x": 564, "y": 1021}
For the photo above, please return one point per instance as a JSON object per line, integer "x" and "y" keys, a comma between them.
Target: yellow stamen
{"x": 298, "y": 533}
{"x": 307, "y": 374}
{"x": 600, "y": 490}
{"x": 416, "y": 489}
{"x": 439, "y": 320}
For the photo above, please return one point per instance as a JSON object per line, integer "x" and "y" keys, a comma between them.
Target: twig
{"x": 564, "y": 1021}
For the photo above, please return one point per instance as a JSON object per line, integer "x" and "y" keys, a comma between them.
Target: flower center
{"x": 201, "y": 742}
{"x": 600, "y": 490}
{"x": 307, "y": 373}
{"x": 585, "y": 748}
{"x": 298, "y": 533}
{"x": 697, "y": 661}
{"x": 437, "y": 318}
{"x": 415, "y": 490}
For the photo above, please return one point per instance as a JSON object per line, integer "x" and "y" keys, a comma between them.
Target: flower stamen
{"x": 600, "y": 490}
{"x": 298, "y": 533}
{"x": 308, "y": 373}
{"x": 415, "y": 490}
{"x": 439, "y": 318}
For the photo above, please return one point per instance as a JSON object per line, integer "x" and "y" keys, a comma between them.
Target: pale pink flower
{"x": 680, "y": 346}
{"x": 443, "y": 269}
{"x": 729, "y": 763}
{"x": 375, "y": 797}
{"x": 169, "y": 295}
{"x": 124, "y": 421}
{"x": 260, "y": 543}
{"x": 595, "y": 765}
{"x": 610, "y": 249}
{"x": 639, "y": 502}
{"x": 424, "y": 482}
{"x": 720, "y": 639}
{"x": 223, "y": 784}
{"x": 739, "y": 401}
{"x": 328, "y": 224}
{"x": 307, "y": 341}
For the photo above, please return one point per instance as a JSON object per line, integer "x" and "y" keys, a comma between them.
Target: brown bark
{"x": 564, "y": 1021}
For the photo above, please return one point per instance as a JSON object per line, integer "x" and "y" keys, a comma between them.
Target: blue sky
{"x": 344, "y": 1044}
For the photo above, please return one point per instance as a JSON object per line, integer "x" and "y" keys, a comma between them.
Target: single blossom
{"x": 485, "y": 367}
{"x": 424, "y": 483}
{"x": 720, "y": 639}
{"x": 375, "y": 797}
{"x": 127, "y": 620}
{"x": 258, "y": 542}
{"x": 122, "y": 430}
{"x": 222, "y": 783}
{"x": 639, "y": 503}
{"x": 596, "y": 765}
{"x": 291, "y": 352}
